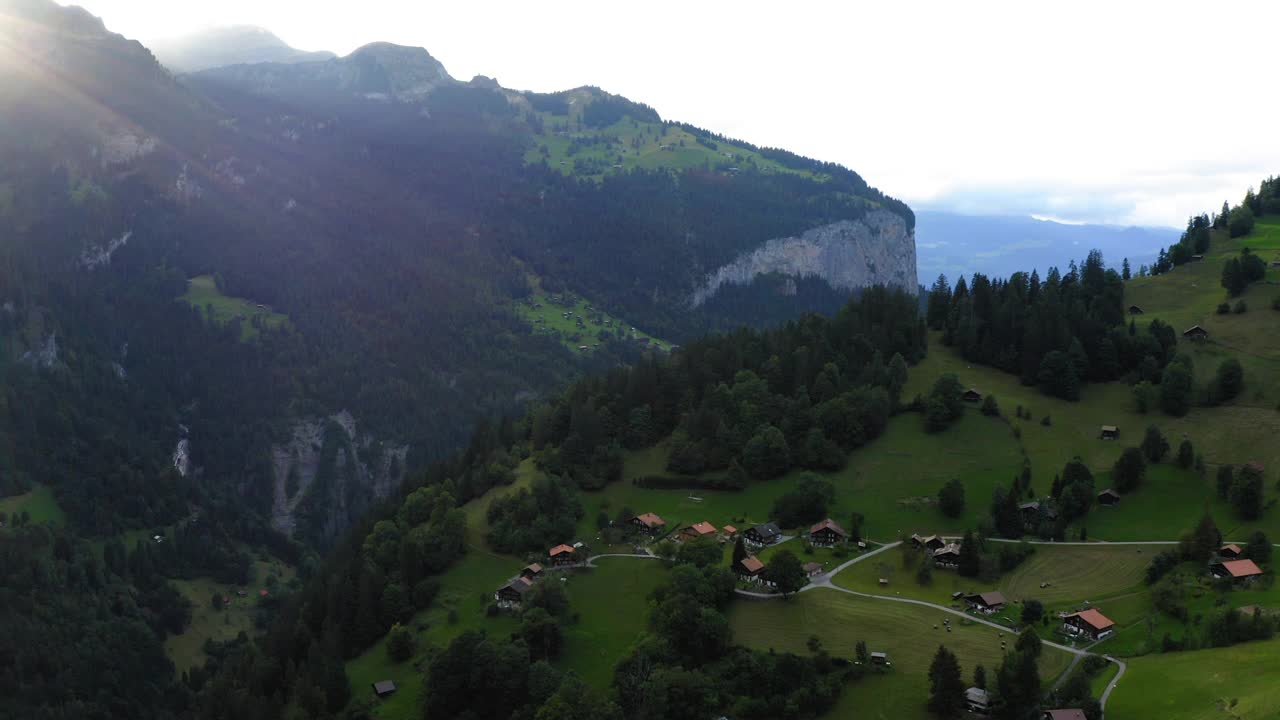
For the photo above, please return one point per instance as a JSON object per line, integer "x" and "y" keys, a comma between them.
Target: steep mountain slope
{"x": 372, "y": 221}
{"x": 233, "y": 45}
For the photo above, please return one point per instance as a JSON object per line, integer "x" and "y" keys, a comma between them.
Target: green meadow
{"x": 546, "y": 314}
{"x": 909, "y": 633}
{"x": 203, "y": 294}
{"x": 1233, "y": 682}
{"x": 38, "y": 503}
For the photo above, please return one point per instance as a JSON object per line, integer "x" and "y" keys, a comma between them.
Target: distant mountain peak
{"x": 229, "y": 45}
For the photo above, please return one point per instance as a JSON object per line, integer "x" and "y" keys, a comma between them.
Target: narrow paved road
{"x": 824, "y": 581}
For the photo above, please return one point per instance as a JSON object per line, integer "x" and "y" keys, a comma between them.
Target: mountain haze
{"x": 233, "y": 45}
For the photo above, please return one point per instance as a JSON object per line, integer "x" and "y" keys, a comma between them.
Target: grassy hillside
{"x": 559, "y": 317}
{"x": 1235, "y": 682}
{"x": 203, "y": 293}
{"x": 187, "y": 650}
{"x": 910, "y": 634}
{"x": 38, "y": 503}
{"x": 567, "y": 144}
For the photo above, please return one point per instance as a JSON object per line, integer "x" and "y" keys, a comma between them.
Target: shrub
{"x": 1045, "y": 421}
{"x": 1224, "y": 308}
{"x": 989, "y": 406}
{"x": 1240, "y": 307}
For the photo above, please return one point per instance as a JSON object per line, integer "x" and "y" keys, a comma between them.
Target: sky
{"x": 1122, "y": 112}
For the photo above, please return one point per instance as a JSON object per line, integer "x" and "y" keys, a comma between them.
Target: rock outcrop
{"x": 875, "y": 250}
{"x": 327, "y": 474}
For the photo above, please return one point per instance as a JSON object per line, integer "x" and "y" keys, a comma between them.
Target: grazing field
{"x": 612, "y": 604}
{"x": 887, "y": 481}
{"x": 187, "y": 650}
{"x": 1074, "y": 574}
{"x": 906, "y": 632}
{"x": 203, "y": 293}
{"x": 38, "y": 503}
{"x": 558, "y": 317}
{"x": 1234, "y": 682}
{"x": 575, "y": 149}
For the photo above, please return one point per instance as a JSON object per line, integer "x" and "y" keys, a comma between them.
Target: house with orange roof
{"x": 1237, "y": 570}
{"x": 698, "y": 530}
{"x": 563, "y": 555}
{"x": 1089, "y": 622}
{"x": 648, "y": 522}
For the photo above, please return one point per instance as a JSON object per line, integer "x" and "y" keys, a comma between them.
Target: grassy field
{"x": 39, "y": 504}
{"x": 906, "y": 632}
{"x": 187, "y": 650}
{"x": 203, "y": 293}
{"x": 612, "y": 602}
{"x": 626, "y": 145}
{"x": 547, "y": 315}
{"x": 886, "y": 481}
{"x": 1201, "y": 685}
{"x": 1075, "y": 574}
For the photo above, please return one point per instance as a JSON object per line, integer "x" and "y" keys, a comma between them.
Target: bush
{"x": 1154, "y": 446}
{"x": 1045, "y": 421}
{"x": 399, "y": 643}
{"x": 1275, "y": 303}
{"x": 951, "y": 498}
{"x": 1224, "y": 308}
{"x": 1240, "y": 307}
{"x": 989, "y": 406}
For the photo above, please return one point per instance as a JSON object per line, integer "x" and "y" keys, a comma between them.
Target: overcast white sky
{"x": 1121, "y": 112}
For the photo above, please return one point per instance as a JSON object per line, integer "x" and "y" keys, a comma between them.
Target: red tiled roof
{"x": 560, "y": 549}
{"x": 650, "y": 520}
{"x": 1232, "y": 547}
{"x": 262, "y": 593}
{"x": 1068, "y": 714}
{"x": 1094, "y": 619}
{"x": 828, "y": 523}
{"x": 751, "y": 564}
{"x": 730, "y": 530}
{"x": 534, "y": 567}
{"x": 1241, "y": 568}
{"x": 703, "y": 528}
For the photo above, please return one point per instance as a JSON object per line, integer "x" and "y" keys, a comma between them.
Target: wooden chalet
{"x": 827, "y": 532}
{"x": 948, "y": 555}
{"x": 532, "y": 571}
{"x": 1066, "y": 714}
{"x": 987, "y": 602}
{"x": 1195, "y": 332}
{"x": 971, "y": 395}
{"x": 880, "y": 658}
{"x": 648, "y": 522}
{"x": 1090, "y": 623}
{"x": 977, "y": 701}
{"x": 1237, "y": 570}
{"x": 763, "y": 534}
{"x": 928, "y": 542}
{"x": 1108, "y": 497}
{"x": 730, "y": 532}
{"x": 1231, "y": 552}
{"x": 561, "y": 555}
{"x": 1135, "y": 310}
{"x": 1109, "y": 432}
{"x": 1197, "y": 258}
{"x": 812, "y": 569}
{"x": 384, "y": 688}
{"x": 512, "y": 594}
{"x": 749, "y": 567}
{"x": 698, "y": 530}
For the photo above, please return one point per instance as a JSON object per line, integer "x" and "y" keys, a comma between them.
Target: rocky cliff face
{"x": 850, "y": 254}
{"x": 327, "y": 474}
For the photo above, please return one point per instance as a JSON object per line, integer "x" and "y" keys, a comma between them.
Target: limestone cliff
{"x": 327, "y": 474}
{"x": 875, "y": 250}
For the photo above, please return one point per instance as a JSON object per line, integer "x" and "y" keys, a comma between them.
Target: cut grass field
{"x": 38, "y": 503}
{"x": 203, "y": 293}
{"x": 1223, "y": 683}
{"x": 906, "y": 632}
{"x": 612, "y": 603}
{"x": 542, "y": 307}
{"x": 1075, "y": 574}
{"x": 187, "y": 650}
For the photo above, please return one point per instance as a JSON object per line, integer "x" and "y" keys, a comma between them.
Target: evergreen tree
{"x": 1154, "y": 446}
{"x": 1229, "y": 379}
{"x": 1028, "y": 642}
{"x": 951, "y": 498}
{"x": 1246, "y": 494}
{"x": 1225, "y": 479}
{"x": 1124, "y": 269}
{"x": 1259, "y": 548}
{"x": 786, "y": 572}
{"x": 946, "y": 685}
{"x": 1186, "y": 454}
{"x": 939, "y": 303}
{"x": 970, "y": 559}
{"x": 1203, "y": 541}
{"x": 1175, "y": 389}
{"x": 1128, "y": 472}
{"x": 980, "y": 677}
